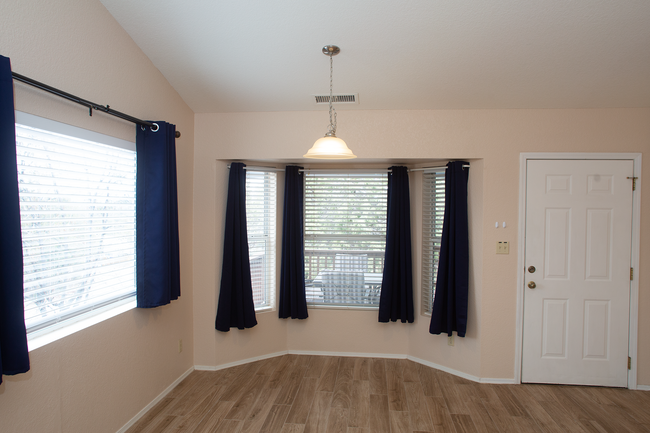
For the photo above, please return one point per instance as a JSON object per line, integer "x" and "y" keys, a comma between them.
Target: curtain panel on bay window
{"x": 14, "y": 357}
{"x": 293, "y": 302}
{"x": 396, "y": 301}
{"x": 236, "y": 308}
{"x": 452, "y": 283}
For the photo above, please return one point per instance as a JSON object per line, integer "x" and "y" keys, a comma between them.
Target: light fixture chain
{"x": 330, "y": 146}
{"x": 332, "y": 127}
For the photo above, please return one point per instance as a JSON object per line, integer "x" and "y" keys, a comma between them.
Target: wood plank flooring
{"x": 322, "y": 394}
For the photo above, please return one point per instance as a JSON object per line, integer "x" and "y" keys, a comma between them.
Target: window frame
{"x": 347, "y": 256}
{"x": 269, "y": 207}
{"x": 433, "y": 213}
{"x": 81, "y": 320}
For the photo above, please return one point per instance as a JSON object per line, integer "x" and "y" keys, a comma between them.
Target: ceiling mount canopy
{"x": 330, "y": 146}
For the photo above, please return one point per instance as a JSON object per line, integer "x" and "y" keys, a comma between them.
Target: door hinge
{"x": 631, "y": 274}
{"x": 634, "y": 178}
{"x": 629, "y": 363}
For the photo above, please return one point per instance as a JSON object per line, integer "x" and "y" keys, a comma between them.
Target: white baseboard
{"x": 412, "y": 358}
{"x": 298, "y": 352}
{"x": 351, "y": 354}
{"x": 358, "y": 355}
{"x": 321, "y": 353}
{"x": 236, "y": 363}
{"x": 498, "y": 381}
{"x": 148, "y": 407}
{"x": 460, "y": 373}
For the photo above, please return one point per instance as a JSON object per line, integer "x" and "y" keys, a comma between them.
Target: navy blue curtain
{"x": 450, "y": 301}
{"x": 396, "y": 301}
{"x": 236, "y": 308}
{"x": 293, "y": 302}
{"x": 157, "y": 245}
{"x": 14, "y": 356}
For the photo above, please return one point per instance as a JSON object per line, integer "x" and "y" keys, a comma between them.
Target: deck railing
{"x": 343, "y": 277}
{"x": 319, "y": 260}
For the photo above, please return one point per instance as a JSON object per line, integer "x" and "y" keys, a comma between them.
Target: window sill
{"x": 52, "y": 333}
{"x": 341, "y": 307}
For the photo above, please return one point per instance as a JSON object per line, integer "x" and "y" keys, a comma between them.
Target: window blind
{"x": 433, "y": 214}
{"x": 345, "y": 237}
{"x": 261, "y": 226}
{"x": 77, "y": 205}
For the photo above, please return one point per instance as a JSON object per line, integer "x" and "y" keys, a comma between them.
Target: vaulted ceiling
{"x": 255, "y": 55}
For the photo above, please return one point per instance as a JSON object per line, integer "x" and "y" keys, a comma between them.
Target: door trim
{"x": 636, "y": 229}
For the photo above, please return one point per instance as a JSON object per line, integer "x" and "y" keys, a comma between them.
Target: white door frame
{"x": 636, "y": 229}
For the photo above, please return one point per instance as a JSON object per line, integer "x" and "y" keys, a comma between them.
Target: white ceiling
{"x": 256, "y": 55}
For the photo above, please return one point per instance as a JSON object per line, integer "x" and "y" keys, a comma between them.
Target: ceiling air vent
{"x": 337, "y": 99}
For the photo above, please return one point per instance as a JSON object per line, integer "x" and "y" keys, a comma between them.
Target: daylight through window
{"x": 345, "y": 238}
{"x": 433, "y": 214}
{"x": 261, "y": 222}
{"x": 77, "y": 209}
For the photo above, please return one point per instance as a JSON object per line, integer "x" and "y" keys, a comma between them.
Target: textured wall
{"x": 493, "y": 140}
{"x": 97, "y": 379}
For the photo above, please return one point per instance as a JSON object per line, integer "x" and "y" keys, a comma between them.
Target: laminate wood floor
{"x": 323, "y": 394}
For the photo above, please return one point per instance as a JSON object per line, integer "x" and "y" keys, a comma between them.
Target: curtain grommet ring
{"x": 157, "y": 128}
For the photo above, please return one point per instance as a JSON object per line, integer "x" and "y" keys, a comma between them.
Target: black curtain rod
{"x": 90, "y": 105}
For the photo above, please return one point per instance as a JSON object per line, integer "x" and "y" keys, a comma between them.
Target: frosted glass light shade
{"x": 329, "y": 147}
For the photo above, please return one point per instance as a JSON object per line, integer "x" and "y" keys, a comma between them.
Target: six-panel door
{"x": 578, "y": 238}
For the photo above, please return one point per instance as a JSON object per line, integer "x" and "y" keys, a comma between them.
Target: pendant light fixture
{"x": 330, "y": 146}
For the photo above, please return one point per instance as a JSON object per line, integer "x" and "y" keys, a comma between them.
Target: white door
{"x": 577, "y": 297}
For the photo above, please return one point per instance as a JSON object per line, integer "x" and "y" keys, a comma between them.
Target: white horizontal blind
{"x": 345, "y": 237}
{"x": 77, "y": 209}
{"x": 433, "y": 214}
{"x": 261, "y": 199}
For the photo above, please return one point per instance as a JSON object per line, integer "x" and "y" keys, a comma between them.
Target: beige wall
{"x": 463, "y": 356}
{"x": 216, "y": 348}
{"x": 97, "y": 379}
{"x": 491, "y": 139}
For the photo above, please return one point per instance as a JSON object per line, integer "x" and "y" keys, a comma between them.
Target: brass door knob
{"x": 532, "y": 285}
{"x": 531, "y": 269}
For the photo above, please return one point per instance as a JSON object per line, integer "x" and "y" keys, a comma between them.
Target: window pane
{"x": 345, "y": 237}
{"x": 433, "y": 214}
{"x": 261, "y": 222}
{"x": 77, "y": 203}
